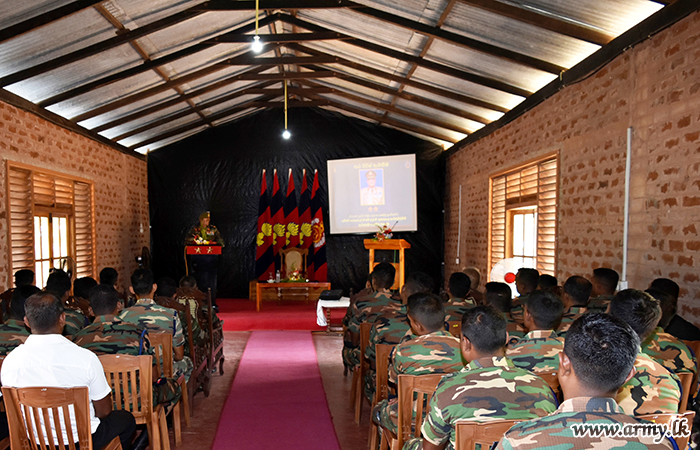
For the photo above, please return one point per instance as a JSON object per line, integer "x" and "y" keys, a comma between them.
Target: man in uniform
{"x": 489, "y": 387}
{"x": 372, "y": 194}
{"x": 604, "y": 283}
{"x": 59, "y": 284}
{"x": 672, "y": 322}
{"x": 498, "y": 295}
{"x": 432, "y": 350}
{"x": 458, "y": 290}
{"x": 109, "y": 335}
{"x": 157, "y": 319}
{"x": 526, "y": 281}
{"x": 598, "y": 358}
{"x": 392, "y": 325}
{"x": 14, "y": 331}
{"x": 577, "y": 291}
{"x": 475, "y": 277}
{"x": 205, "y": 267}
{"x": 367, "y": 309}
{"x": 539, "y": 350}
{"x": 653, "y": 389}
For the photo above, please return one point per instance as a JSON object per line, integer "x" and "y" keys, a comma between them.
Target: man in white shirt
{"x": 49, "y": 359}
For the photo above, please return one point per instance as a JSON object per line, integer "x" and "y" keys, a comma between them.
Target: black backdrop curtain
{"x": 219, "y": 170}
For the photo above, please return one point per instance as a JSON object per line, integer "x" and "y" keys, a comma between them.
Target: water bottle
{"x": 277, "y": 276}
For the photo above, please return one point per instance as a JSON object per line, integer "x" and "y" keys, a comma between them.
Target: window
{"x": 524, "y": 215}
{"x": 51, "y": 222}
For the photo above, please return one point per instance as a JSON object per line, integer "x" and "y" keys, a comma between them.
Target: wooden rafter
{"x": 462, "y": 41}
{"x": 230, "y": 38}
{"x": 431, "y": 65}
{"x": 542, "y": 21}
{"x": 249, "y": 60}
{"x": 249, "y": 5}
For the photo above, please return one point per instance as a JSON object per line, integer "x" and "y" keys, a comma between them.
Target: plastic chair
{"x": 413, "y": 389}
{"x": 42, "y": 405}
{"x": 358, "y": 373}
{"x": 163, "y": 346}
{"x": 131, "y": 379}
{"x": 667, "y": 419}
{"x": 383, "y": 352}
{"x": 470, "y": 434}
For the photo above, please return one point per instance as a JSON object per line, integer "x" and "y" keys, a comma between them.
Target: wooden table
{"x": 290, "y": 285}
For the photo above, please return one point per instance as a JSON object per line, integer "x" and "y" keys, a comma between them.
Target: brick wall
{"x": 653, "y": 88}
{"x": 121, "y": 196}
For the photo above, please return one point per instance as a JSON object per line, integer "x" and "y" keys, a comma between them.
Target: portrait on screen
{"x": 372, "y": 187}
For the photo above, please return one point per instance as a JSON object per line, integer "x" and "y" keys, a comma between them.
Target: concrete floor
{"x": 206, "y": 410}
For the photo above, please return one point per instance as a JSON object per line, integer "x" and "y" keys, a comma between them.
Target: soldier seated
{"x": 157, "y": 319}
{"x": 598, "y": 358}
{"x": 499, "y": 296}
{"x": 458, "y": 290}
{"x": 653, "y": 389}
{"x": 433, "y": 350}
{"x": 488, "y": 387}
{"x": 14, "y": 331}
{"x": 577, "y": 291}
{"x": 539, "y": 350}
{"x": 59, "y": 284}
{"x": 603, "y": 285}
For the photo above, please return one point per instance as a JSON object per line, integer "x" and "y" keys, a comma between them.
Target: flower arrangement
{"x": 385, "y": 232}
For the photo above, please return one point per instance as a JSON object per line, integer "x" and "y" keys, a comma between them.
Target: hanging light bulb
{"x": 256, "y": 46}
{"x": 285, "y": 134}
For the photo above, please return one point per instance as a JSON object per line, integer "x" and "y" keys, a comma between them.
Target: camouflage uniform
{"x": 159, "y": 319}
{"x": 599, "y": 303}
{"x": 669, "y": 351}
{"x": 75, "y": 321}
{"x": 515, "y": 330}
{"x": 486, "y": 389}
{"x": 456, "y": 307}
{"x": 568, "y": 318}
{"x": 517, "y": 308}
{"x": 389, "y": 328}
{"x": 554, "y": 431}
{"x": 652, "y": 389}
{"x": 537, "y": 352}
{"x": 108, "y": 335}
{"x": 12, "y": 333}
{"x": 365, "y": 309}
{"x": 436, "y": 352}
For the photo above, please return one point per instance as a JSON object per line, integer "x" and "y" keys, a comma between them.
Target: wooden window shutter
{"x": 84, "y": 232}
{"x": 547, "y": 216}
{"x": 21, "y": 219}
{"x": 498, "y": 219}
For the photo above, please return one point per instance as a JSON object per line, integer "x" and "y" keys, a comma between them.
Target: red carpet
{"x": 240, "y": 315}
{"x": 277, "y": 399}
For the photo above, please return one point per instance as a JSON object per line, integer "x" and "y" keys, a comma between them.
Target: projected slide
{"x": 366, "y": 192}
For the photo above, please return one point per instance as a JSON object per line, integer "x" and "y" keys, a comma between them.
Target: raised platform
{"x": 240, "y": 315}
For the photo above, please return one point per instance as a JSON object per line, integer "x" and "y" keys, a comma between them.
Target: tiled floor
{"x": 206, "y": 411}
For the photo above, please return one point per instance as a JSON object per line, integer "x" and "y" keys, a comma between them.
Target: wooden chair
{"x": 216, "y": 343}
{"x": 163, "y": 345}
{"x": 470, "y": 434}
{"x": 694, "y": 347}
{"x": 131, "y": 379}
{"x": 686, "y": 386}
{"x": 667, "y": 419}
{"x": 41, "y": 405}
{"x": 383, "y": 352}
{"x": 553, "y": 381}
{"x": 358, "y": 374}
{"x": 454, "y": 327}
{"x": 193, "y": 300}
{"x": 413, "y": 389}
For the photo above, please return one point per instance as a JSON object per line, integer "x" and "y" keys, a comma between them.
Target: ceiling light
{"x": 257, "y": 46}
{"x": 286, "y": 134}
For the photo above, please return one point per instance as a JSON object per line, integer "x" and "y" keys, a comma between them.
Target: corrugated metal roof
{"x": 146, "y": 73}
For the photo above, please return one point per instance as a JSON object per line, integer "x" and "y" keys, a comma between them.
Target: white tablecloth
{"x": 344, "y": 302}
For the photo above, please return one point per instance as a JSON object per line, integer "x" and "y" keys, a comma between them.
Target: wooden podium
{"x": 389, "y": 244}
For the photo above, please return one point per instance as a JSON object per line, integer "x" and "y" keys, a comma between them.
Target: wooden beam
{"x": 185, "y": 128}
{"x": 249, "y": 60}
{"x": 454, "y": 96}
{"x": 290, "y": 75}
{"x": 291, "y": 91}
{"x": 392, "y": 122}
{"x": 543, "y": 21}
{"x": 99, "y": 47}
{"x": 290, "y": 104}
{"x": 437, "y": 67}
{"x": 410, "y": 97}
{"x": 393, "y": 109}
{"x": 185, "y": 113}
{"x": 229, "y": 38}
{"x": 462, "y": 41}
{"x": 44, "y": 19}
{"x": 248, "y": 5}
{"x": 146, "y": 66}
